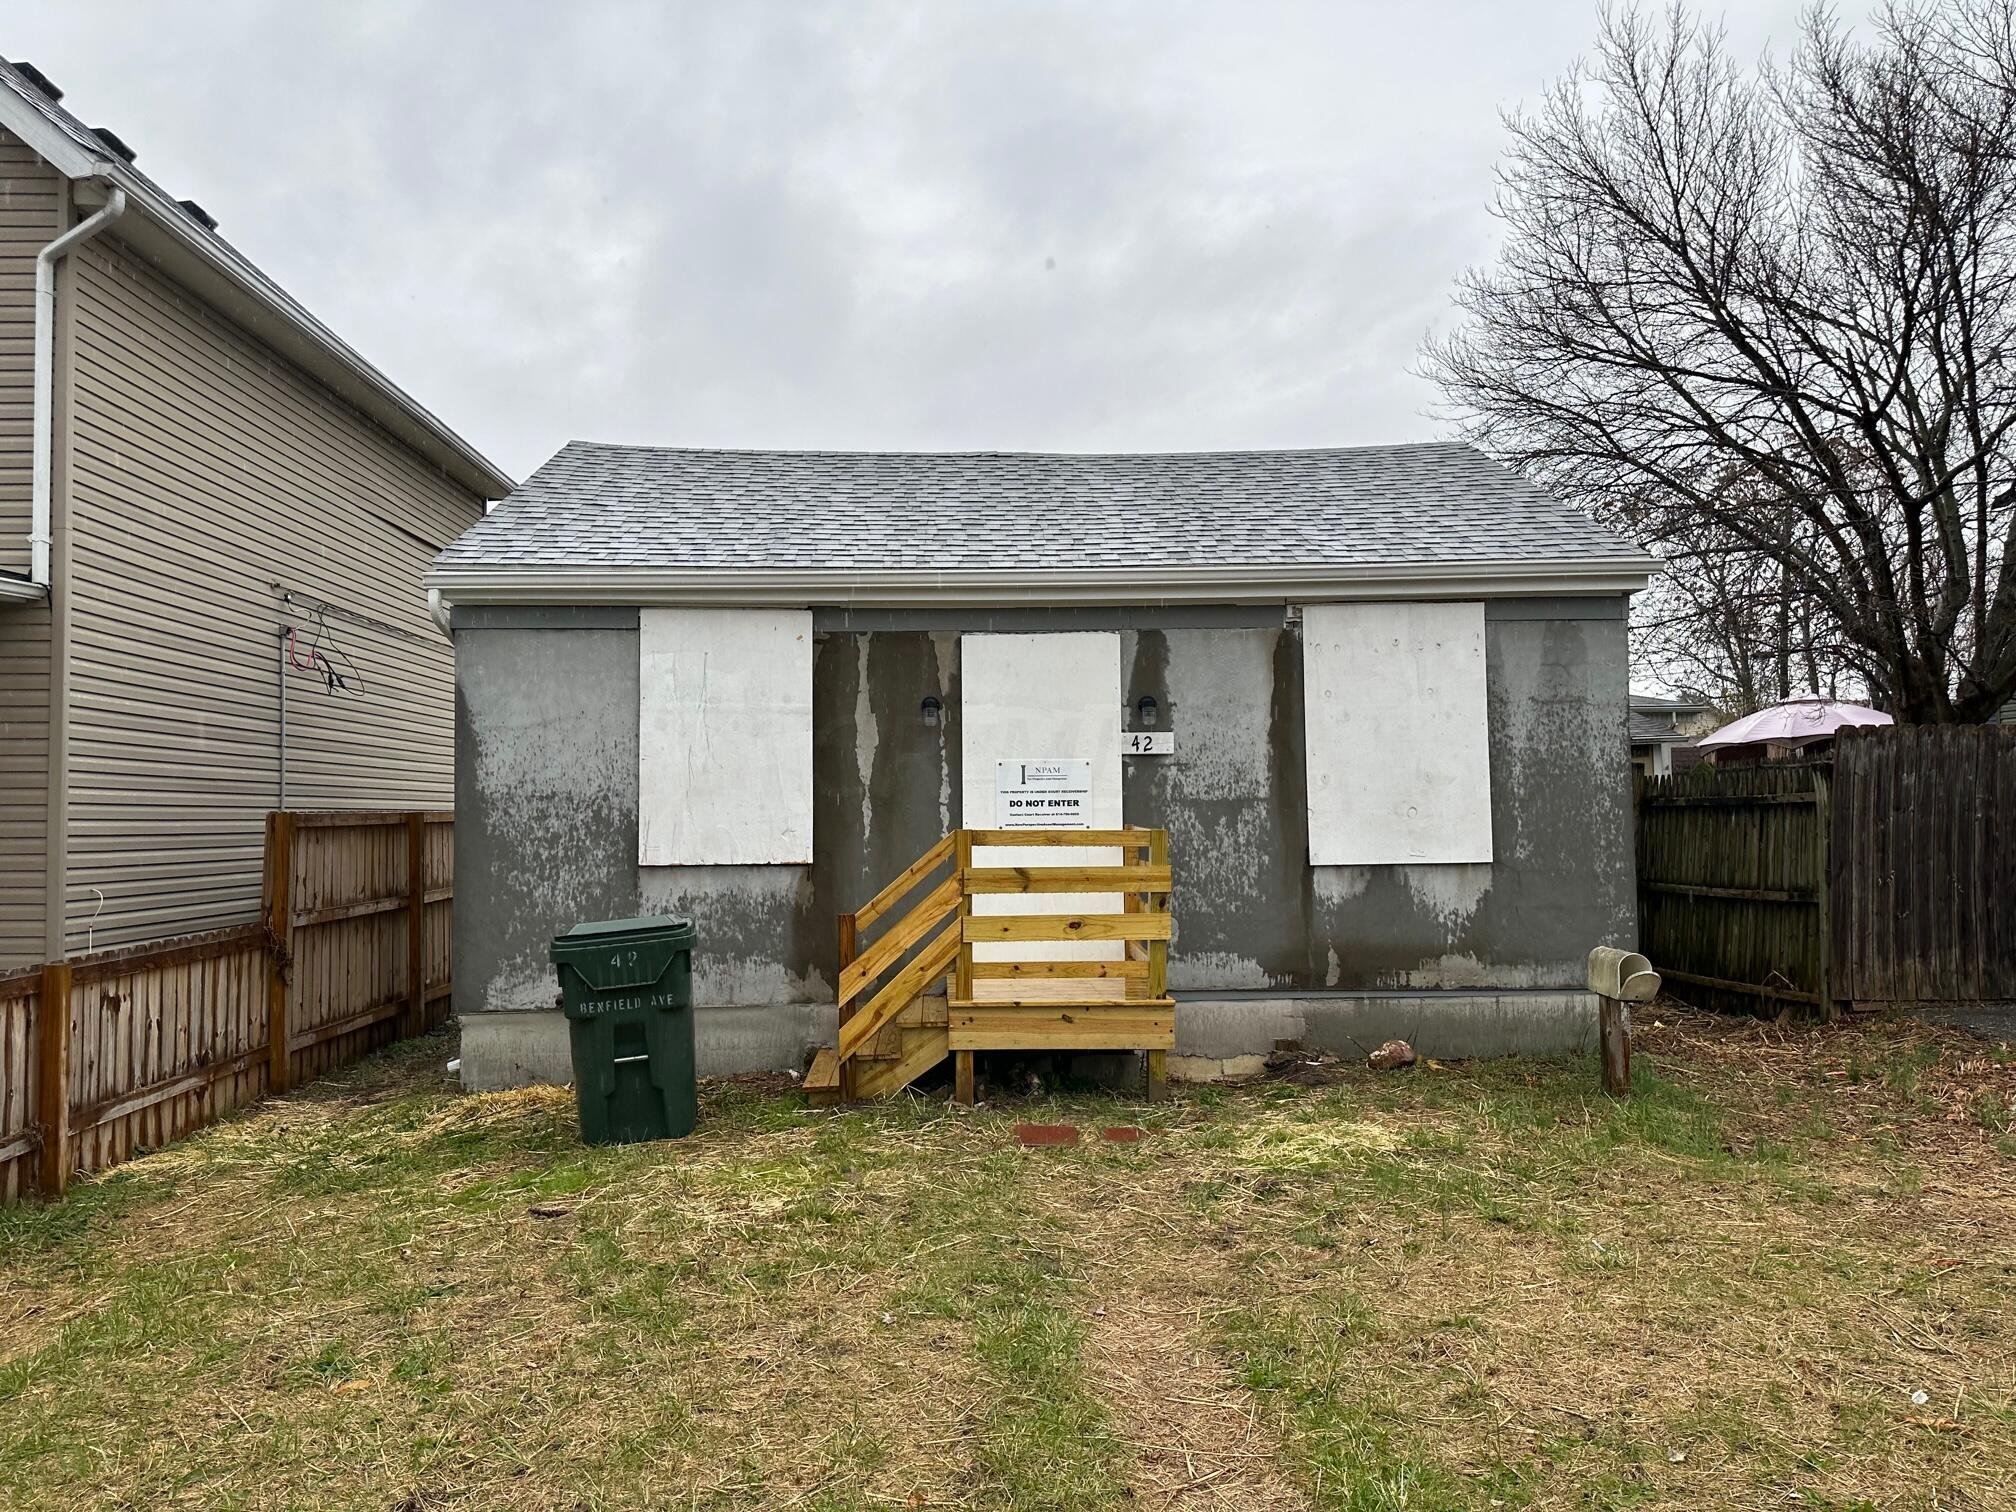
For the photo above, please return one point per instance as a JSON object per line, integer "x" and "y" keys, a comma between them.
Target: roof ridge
{"x": 656, "y": 449}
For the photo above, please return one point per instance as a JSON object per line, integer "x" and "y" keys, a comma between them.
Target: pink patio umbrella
{"x": 1801, "y": 721}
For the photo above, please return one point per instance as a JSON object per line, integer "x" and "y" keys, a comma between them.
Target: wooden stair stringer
{"x": 924, "y": 1046}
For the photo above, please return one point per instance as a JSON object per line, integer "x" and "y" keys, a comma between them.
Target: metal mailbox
{"x": 1622, "y": 974}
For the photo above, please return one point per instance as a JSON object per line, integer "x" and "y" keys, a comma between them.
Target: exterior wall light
{"x": 932, "y": 710}
{"x": 1148, "y": 710}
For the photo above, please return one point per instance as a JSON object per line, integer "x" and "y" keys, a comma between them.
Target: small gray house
{"x": 1375, "y": 697}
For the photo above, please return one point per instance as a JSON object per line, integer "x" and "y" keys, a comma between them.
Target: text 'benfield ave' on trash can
{"x": 626, "y": 986}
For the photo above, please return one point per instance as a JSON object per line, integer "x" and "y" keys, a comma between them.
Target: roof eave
{"x": 659, "y": 586}
{"x": 165, "y": 234}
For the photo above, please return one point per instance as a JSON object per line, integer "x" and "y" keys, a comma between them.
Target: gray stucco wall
{"x": 547, "y": 823}
{"x": 546, "y": 799}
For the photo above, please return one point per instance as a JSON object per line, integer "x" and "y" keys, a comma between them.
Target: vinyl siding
{"x": 28, "y": 188}
{"x": 205, "y": 470}
{"x": 28, "y": 191}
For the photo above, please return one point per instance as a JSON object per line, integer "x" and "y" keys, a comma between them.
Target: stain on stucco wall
{"x": 547, "y": 830}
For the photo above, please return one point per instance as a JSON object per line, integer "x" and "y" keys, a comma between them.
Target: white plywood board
{"x": 1029, "y": 698}
{"x": 1397, "y": 733}
{"x": 724, "y": 737}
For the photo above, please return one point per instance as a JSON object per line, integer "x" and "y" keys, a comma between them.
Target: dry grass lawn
{"x": 1779, "y": 1275}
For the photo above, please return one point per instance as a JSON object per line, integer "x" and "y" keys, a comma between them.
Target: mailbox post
{"x": 1619, "y": 978}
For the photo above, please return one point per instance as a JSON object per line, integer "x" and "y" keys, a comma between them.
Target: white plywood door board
{"x": 1041, "y": 698}
{"x": 724, "y": 737}
{"x": 1397, "y": 729}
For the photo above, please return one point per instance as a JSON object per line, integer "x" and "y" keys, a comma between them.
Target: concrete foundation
{"x": 1214, "y": 1039}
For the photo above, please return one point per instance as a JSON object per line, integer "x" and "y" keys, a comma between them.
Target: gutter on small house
{"x": 674, "y": 586}
{"x": 41, "y": 510}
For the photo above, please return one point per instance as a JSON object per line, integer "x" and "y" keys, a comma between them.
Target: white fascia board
{"x": 51, "y": 142}
{"x": 170, "y": 238}
{"x": 1171, "y": 585}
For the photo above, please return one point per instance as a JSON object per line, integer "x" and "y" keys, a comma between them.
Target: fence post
{"x": 1157, "y": 1061}
{"x": 962, "y": 973}
{"x": 849, "y": 948}
{"x": 279, "y": 950}
{"x": 416, "y": 926}
{"x": 52, "y": 1079}
{"x": 1823, "y": 884}
{"x": 1613, "y": 1023}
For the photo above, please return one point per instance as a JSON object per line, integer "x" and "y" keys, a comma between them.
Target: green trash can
{"x": 626, "y": 986}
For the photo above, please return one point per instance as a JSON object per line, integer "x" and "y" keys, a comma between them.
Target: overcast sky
{"x": 1072, "y": 226}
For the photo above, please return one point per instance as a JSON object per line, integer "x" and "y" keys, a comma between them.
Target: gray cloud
{"x": 1067, "y": 226}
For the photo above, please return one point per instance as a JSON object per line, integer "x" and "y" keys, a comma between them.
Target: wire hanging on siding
{"x": 322, "y": 608}
{"x": 322, "y": 654}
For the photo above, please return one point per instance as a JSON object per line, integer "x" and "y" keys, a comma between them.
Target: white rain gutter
{"x": 40, "y": 511}
{"x": 971, "y": 587}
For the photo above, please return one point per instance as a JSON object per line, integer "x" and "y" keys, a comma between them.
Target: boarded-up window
{"x": 724, "y": 726}
{"x": 1397, "y": 733}
{"x": 1042, "y": 698}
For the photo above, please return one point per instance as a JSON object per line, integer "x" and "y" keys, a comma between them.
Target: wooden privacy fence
{"x": 1884, "y": 876}
{"x": 1924, "y": 886}
{"x": 107, "y": 1054}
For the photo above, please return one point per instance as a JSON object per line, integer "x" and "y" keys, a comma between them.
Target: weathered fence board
{"x": 1927, "y": 909}
{"x": 162, "y": 1042}
{"x": 152, "y": 1042}
{"x": 1731, "y": 876}
{"x": 19, "y": 999}
{"x": 1886, "y": 874}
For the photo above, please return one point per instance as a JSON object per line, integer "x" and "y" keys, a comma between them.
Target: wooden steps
{"x": 898, "y": 1019}
{"x": 924, "y": 1047}
{"x": 822, "y": 1082}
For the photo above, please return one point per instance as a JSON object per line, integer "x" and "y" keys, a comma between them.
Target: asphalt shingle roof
{"x": 602, "y": 506}
{"x": 1652, "y": 719}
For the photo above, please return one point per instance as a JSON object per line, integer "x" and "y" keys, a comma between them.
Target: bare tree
{"x": 1765, "y": 321}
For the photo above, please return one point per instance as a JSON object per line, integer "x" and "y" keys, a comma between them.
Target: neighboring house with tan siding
{"x": 221, "y": 467}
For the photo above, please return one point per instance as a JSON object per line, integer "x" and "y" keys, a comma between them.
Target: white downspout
{"x": 45, "y": 381}
{"x": 438, "y": 607}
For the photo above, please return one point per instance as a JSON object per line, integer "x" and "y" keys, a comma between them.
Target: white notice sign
{"x": 1043, "y": 794}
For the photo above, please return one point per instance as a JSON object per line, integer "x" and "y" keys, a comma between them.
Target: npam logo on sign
{"x": 1047, "y": 793}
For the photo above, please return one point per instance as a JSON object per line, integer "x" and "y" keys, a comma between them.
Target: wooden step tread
{"x": 825, "y": 1073}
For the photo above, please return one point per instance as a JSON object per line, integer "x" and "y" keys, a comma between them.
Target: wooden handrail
{"x": 908, "y": 878}
{"x": 1129, "y": 970}
{"x": 934, "y": 960}
{"x": 1067, "y": 879}
{"x": 1016, "y": 928}
{"x": 937, "y": 905}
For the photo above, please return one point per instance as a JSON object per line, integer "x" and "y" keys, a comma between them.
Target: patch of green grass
{"x": 1350, "y": 1450}
{"x": 1992, "y": 1111}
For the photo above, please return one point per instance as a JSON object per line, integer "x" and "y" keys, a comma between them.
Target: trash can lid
{"x": 644, "y": 924}
{"x": 657, "y": 930}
